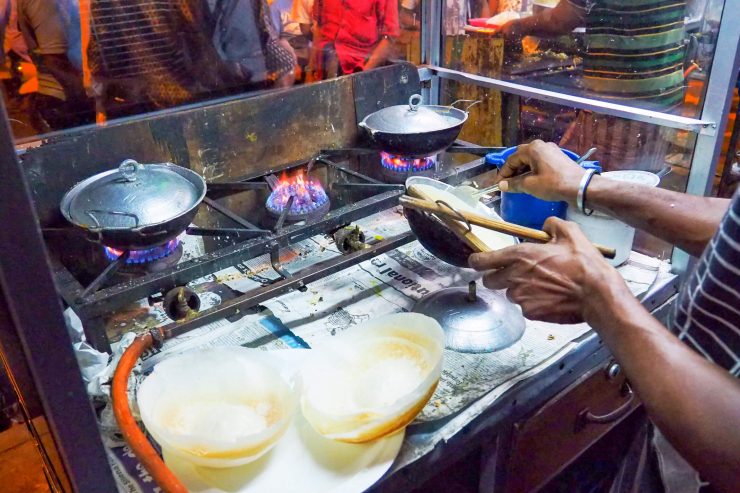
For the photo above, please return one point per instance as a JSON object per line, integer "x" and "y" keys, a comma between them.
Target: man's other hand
{"x": 563, "y": 281}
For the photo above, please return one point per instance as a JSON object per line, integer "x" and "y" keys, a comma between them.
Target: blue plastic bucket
{"x": 528, "y": 210}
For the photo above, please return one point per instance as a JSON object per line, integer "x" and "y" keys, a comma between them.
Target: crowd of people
{"x": 67, "y": 63}
{"x": 71, "y": 62}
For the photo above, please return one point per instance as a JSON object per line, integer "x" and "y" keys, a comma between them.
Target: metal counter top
{"x": 429, "y": 447}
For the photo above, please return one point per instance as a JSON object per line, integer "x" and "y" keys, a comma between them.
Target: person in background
{"x": 634, "y": 55}
{"x": 197, "y": 49}
{"x": 456, "y": 13}
{"x": 291, "y": 32}
{"x": 353, "y": 35}
{"x": 245, "y": 36}
{"x": 60, "y": 101}
{"x": 688, "y": 384}
{"x": 409, "y": 14}
{"x": 149, "y": 54}
{"x": 302, "y": 14}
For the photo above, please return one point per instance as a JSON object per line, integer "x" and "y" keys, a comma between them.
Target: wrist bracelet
{"x": 581, "y": 197}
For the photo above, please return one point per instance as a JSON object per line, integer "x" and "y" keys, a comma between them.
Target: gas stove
{"x": 240, "y": 220}
{"x": 299, "y": 198}
{"x": 396, "y": 169}
{"x": 168, "y": 253}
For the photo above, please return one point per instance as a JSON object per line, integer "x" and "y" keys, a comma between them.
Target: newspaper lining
{"x": 388, "y": 283}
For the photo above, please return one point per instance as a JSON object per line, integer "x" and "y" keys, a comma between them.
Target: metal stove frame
{"x": 91, "y": 303}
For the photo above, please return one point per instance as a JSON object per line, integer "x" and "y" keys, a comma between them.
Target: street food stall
{"x": 302, "y": 253}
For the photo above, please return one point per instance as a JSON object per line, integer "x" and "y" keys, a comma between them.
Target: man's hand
{"x": 564, "y": 281}
{"x": 513, "y": 33}
{"x": 554, "y": 176}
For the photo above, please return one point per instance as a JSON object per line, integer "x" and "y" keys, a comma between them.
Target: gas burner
{"x": 309, "y": 197}
{"x": 401, "y": 164}
{"x": 150, "y": 255}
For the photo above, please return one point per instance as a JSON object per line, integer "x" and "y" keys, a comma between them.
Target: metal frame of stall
{"x": 709, "y": 127}
{"x": 35, "y": 341}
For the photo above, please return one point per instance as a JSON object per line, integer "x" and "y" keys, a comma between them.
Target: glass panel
{"x": 645, "y": 53}
{"x": 621, "y": 144}
{"x": 408, "y": 43}
{"x": 69, "y": 63}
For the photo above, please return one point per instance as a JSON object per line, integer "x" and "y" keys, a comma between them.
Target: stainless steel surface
{"x": 135, "y": 206}
{"x": 703, "y": 127}
{"x": 431, "y": 44}
{"x": 474, "y": 322}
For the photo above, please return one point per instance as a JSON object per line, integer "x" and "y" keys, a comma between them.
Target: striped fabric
{"x": 635, "y": 50}
{"x": 707, "y": 316}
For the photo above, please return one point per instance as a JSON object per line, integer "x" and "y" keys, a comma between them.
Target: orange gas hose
{"x": 131, "y": 433}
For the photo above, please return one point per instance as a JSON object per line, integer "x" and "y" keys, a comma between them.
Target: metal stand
{"x": 474, "y": 322}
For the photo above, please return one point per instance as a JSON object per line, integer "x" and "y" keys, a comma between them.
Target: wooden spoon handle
{"x": 440, "y": 211}
{"x": 452, "y": 222}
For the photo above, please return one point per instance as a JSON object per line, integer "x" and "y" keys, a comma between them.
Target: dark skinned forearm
{"x": 559, "y": 20}
{"x": 687, "y": 221}
{"x": 382, "y": 52}
{"x": 694, "y": 402}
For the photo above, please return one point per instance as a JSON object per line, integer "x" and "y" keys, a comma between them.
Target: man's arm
{"x": 382, "y": 52}
{"x": 694, "y": 403}
{"x": 687, "y": 221}
{"x": 561, "y": 19}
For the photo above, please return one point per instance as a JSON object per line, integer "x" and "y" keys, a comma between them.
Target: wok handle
{"x": 92, "y": 213}
{"x": 415, "y": 101}
{"x": 472, "y": 102}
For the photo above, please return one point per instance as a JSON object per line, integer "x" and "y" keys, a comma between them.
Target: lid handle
{"x": 129, "y": 168}
{"x": 414, "y": 102}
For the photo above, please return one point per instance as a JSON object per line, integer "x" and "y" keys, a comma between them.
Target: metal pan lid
{"x": 133, "y": 196}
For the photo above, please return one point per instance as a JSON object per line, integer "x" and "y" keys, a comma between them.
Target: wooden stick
{"x": 454, "y": 225}
{"x": 432, "y": 207}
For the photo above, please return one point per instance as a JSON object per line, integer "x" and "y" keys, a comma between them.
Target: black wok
{"x": 415, "y": 130}
{"x": 135, "y": 207}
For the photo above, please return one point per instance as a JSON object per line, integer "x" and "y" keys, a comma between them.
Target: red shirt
{"x": 355, "y": 27}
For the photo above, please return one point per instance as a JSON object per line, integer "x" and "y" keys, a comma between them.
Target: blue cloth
{"x": 70, "y": 12}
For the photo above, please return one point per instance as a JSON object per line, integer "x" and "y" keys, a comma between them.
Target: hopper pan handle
{"x": 472, "y": 102}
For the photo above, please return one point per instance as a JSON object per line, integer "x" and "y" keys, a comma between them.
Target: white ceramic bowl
{"x": 220, "y": 407}
{"x": 373, "y": 381}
